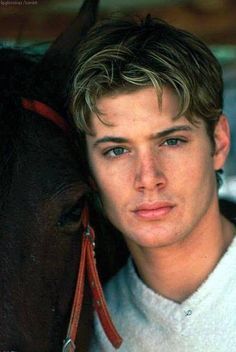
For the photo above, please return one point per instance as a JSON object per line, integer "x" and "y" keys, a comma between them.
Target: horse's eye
{"x": 72, "y": 215}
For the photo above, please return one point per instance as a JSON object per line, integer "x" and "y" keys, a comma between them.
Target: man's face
{"x": 155, "y": 174}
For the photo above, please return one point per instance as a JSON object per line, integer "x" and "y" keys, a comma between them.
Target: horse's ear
{"x": 76, "y": 31}
{"x": 54, "y": 68}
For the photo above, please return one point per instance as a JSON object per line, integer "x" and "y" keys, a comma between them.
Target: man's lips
{"x": 153, "y": 211}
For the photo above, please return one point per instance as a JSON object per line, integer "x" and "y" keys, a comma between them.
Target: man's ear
{"x": 222, "y": 142}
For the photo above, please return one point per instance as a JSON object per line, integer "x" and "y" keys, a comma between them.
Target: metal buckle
{"x": 88, "y": 234}
{"x": 68, "y": 345}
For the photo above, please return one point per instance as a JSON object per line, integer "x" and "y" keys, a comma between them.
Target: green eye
{"x": 117, "y": 151}
{"x": 174, "y": 141}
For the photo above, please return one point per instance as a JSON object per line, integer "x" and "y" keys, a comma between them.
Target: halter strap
{"x": 46, "y": 112}
{"x": 87, "y": 257}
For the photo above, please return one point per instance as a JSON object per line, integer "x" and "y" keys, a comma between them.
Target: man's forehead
{"x": 110, "y": 109}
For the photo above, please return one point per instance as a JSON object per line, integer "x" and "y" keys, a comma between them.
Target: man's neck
{"x": 177, "y": 271}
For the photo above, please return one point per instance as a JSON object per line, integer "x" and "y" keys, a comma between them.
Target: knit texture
{"x": 148, "y": 322}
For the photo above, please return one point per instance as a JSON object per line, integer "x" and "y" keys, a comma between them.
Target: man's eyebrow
{"x": 171, "y": 130}
{"x": 107, "y": 139}
{"x": 161, "y": 134}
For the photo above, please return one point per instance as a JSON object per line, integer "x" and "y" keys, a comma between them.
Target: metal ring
{"x": 68, "y": 345}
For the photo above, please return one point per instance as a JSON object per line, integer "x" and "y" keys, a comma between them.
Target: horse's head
{"x": 43, "y": 190}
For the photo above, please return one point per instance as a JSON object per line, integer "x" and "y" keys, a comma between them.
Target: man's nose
{"x": 149, "y": 172}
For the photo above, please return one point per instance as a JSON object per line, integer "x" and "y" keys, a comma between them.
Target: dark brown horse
{"x": 42, "y": 192}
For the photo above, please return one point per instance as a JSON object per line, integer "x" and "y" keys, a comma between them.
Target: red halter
{"x": 87, "y": 260}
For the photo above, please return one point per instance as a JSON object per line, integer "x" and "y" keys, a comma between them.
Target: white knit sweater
{"x": 148, "y": 322}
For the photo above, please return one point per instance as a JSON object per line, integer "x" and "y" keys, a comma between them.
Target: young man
{"x": 148, "y": 98}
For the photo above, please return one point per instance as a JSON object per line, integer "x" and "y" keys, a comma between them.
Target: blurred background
{"x": 38, "y": 22}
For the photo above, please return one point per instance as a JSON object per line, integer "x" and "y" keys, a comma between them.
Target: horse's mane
{"x": 23, "y": 74}
{"x": 16, "y": 67}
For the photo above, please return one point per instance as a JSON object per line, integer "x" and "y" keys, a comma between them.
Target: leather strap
{"x": 88, "y": 258}
{"x": 47, "y": 112}
{"x": 99, "y": 299}
{"x": 69, "y": 343}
